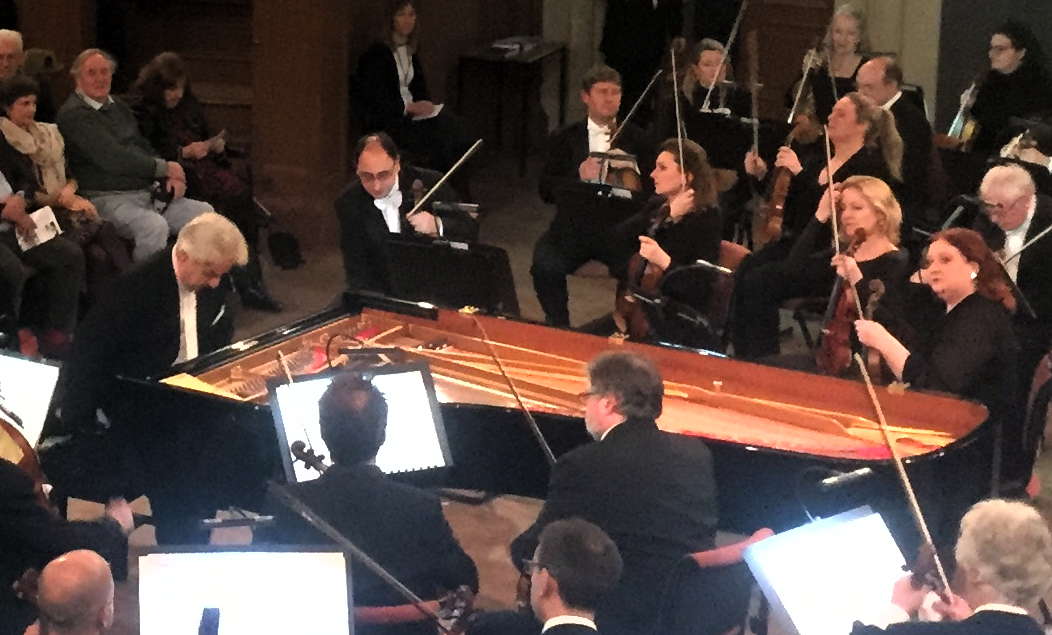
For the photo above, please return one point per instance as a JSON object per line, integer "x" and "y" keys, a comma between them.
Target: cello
{"x": 15, "y": 448}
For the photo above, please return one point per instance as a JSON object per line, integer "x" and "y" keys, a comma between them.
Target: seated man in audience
{"x": 1014, "y": 214}
{"x": 880, "y": 79}
{"x": 75, "y": 596}
{"x": 168, "y": 309}
{"x": 375, "y": 206}
{"x": 561, "y": 249}
{"x": 574, "y": 566}
{"x": 399, "y": 526}
{"x": 653, "y": 492}
{"x": 12, "y": 57}
{"x": 59, "y": 263}
{"x": 32, "y": 535}
{"x": 116, "y": 166}
{"x": 1004, "y": 567}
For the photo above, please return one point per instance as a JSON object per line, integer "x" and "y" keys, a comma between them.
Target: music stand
{"x": 26, "y": 388}
{"x": 823, "y": 576}
{"x": 590, "y": 209}
{"x": 244, "y": 590}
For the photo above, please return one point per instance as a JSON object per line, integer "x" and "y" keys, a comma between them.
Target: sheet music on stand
{"x": 26, "y": 388}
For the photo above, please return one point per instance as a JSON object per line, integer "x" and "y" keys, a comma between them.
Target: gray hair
{"x": 632, "y": 379}
{"x": 84, "y": 55}
{"x": 860, "y": 19}
{"x": 1009, "y": 179}
{"x": 211, "y": 238}
{"x": 1007, "y": 546}
{"x": 7, "y": 35}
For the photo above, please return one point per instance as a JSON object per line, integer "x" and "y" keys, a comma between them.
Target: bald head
{"x": 76, "y": 594}
{"x": 879, "y": 79}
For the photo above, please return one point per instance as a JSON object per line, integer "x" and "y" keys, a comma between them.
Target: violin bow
{"x": 1027, "y": 245}
{"x": 635, "y": 106}
{"x": 706, "y": 105}
{"x": 679, "y": 121}
{"x": 753, "y": 51}
{"x": 434, "y": 188}
{"x": 530, "y": 420}
{"x": 803, "y": 82}
{"x": 911, "y": 496}
{"x": 294, "y": 503}
{"x": 829, "y": 185}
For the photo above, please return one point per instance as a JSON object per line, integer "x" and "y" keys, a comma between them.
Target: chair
{"x": 718, "y": 310}
{"x": 806, "y": 310}
{"x": 708, "y": 593}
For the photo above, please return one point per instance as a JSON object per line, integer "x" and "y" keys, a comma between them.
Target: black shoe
{"x": 255, "y": 297}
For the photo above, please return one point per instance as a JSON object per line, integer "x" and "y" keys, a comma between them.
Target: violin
{"x": 874, "y": 362}
{"x": 965, "y": 128}
{"x": 773, "y": 209}
{"x": 834, "y": 351}
{"x": 617, "y": 168}
{"x": 643, "y": 278}
{"x": 306, "y": 455}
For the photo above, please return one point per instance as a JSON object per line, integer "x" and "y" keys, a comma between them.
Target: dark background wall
{"x": 965, "y": 36}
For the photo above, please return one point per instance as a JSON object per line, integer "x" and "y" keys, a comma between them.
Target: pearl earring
{"x": 974, "y": 275}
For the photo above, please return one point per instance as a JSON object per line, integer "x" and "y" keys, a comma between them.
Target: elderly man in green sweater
{"x": 115, "y": 165}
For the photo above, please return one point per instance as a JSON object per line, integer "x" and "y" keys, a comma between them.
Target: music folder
{"x": 823, "y": 576}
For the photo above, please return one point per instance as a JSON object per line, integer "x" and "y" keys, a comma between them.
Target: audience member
{"x": 174, "y": 122}
{"x": 75, "y": 596}
{"x": 116, "y": 166}
{"x": 12, "y": 59}
{"x": 1004, "y": 567}
{"x": 399, "y": 526}
{"x": 880, "y": 79}
{"x": 32, "y": 536}
{"x": 374, "y": 207}
{"x": 562, "y": 249}
{"x": 58, "y": 263}
{"x": 37, "y": 150}
{"x": 393, "y": 96}
{"x": 653, "y": 492}
{"x": 168, "y": 309}
{"x": 575, "y": 565}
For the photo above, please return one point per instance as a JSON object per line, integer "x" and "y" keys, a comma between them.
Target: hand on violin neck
{"x": 681, "y": 203}
{"x": 755, "y": 166}
{"x": 788, "y": 159}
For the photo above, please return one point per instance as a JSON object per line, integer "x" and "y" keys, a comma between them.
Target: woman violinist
{"x": 957, "y": 334}
{"x": 837, "y": 61}
{"x": 1017, "y": 85}
{"x": 685, "y": 223}
{"x": 865, "y": 142}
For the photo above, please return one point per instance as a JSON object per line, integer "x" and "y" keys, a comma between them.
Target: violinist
{"x": 687, "y": 220}
{"x": 865, "y": 143}
{"x": 956, "y": 334}
{"x": 726, "y": 139}
{"x": 1018, "y": 84}
{"x": 399, "y": 526}
{"x": 1004, "y": 568}
{"x": 561, "y": 250}
{"x": 843, "y": 50}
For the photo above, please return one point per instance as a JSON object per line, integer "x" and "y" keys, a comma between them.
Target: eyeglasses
{"x": 989, "y": 207}
{"x": 368, "y": 177}
{"x": 583, "y": 396}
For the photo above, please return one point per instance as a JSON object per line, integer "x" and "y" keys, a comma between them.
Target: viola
{"x": 644, "y": 278}
{"x": 773, "y": 209}
{"x": 306, "y": 455}
{"x": 834, "y": 352}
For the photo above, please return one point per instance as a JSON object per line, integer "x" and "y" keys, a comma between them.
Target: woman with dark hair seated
{"x": 391, "y": 94}
{"x": 685, "y": 220}
{"x": 173, "y": 120}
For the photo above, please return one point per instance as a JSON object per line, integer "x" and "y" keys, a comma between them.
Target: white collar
{"x": 595, "y": 127}
{"x": 391, "y": 194}
{"x": 95, "y": 104}
{"x": 568, "y": 619}
{"x": 1003, "y": 608}
{"x": 891, "y": 102}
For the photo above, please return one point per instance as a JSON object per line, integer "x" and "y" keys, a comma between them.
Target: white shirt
{"x": 390, "y": 207}
{"x": 1016, "y": 238}
{"x": 568, "y": 619}
{"x": 598, "y": 137}
{"x": 404, "y": 63}
{"x": 187, "y": 322}
{"x": 891, "y": 102}
{"x": 1004, "y": 608}
{"x": 95, "y": 104}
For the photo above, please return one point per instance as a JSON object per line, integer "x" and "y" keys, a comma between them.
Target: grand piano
{"x": 775, "y": 434}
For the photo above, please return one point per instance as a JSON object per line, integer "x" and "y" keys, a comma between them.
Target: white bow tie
{"x": 393, "y": 198}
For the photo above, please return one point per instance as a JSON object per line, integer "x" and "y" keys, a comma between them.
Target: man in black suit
{"x": 1004, "y": 565}
{"x": 653, "y": 492}
{"x": 32, "y": 536}
{"x": 374, "y": 207}
{"x": 399, "y": 526}
{"x": 168, "y": 309}
{"x": 1016, "y": 214}
{"x": 576, "y": 563}
{"x": 566, "y": 245}
{"x": 880, "y": 79}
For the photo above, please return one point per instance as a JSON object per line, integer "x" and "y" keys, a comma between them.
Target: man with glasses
{"x": 653, "y": 492}
{"x": 376, "y": 205}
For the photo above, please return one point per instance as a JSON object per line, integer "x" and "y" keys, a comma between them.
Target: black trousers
{"x": 555, "y": 256}
{"x": 59, "y": 264}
